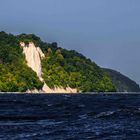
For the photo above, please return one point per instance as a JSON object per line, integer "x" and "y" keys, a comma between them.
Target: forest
{"x": 60, "y": 67}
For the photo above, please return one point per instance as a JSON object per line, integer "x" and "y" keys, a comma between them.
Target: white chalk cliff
{"x": 33, "y": 57}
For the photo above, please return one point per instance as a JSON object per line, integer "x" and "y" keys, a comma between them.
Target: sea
{"x": 70, "y": 116}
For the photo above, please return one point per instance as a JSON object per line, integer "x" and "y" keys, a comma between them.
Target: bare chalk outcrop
{"x": 58, "y": 89}
{"x": 33, "y": 57}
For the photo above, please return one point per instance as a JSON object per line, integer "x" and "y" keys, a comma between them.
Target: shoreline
{"x": 84, "y": 93}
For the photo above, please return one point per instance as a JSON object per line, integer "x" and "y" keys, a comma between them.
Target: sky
{"x": 106, "y": 31}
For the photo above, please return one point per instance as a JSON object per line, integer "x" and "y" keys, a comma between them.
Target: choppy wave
{"x": 64, "y": 117}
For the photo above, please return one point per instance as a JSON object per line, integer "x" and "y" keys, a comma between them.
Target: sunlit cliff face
{"x": 33, "y": 57}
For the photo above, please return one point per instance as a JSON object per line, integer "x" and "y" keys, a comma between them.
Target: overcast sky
{"x": 106, "y": 31}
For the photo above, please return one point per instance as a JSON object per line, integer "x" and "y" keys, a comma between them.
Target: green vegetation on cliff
{"x": 68, "y": 68}
{"x": 15, "y": 75}
{"x": 60, "y": 67}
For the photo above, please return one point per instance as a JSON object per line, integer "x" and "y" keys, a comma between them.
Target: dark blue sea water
{"x": 70, "y": 117}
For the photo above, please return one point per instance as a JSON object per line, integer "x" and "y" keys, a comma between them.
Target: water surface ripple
{"x": 69, "y": 117}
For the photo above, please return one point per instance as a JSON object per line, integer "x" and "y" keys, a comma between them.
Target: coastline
{"x": 94, "y": 93}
